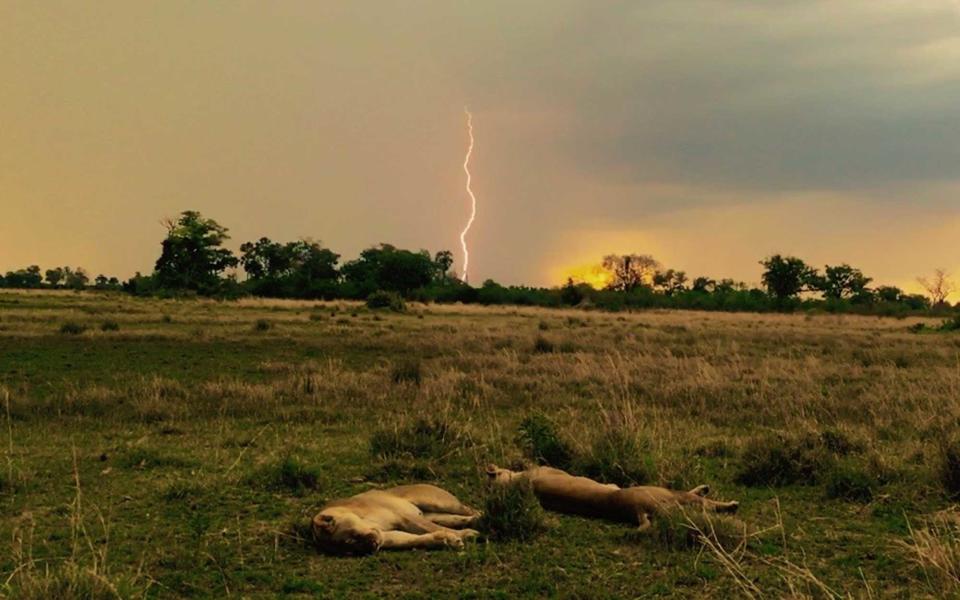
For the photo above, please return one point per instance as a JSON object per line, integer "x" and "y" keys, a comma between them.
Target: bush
{"x": 512, "y": 512}
{"x": 683, "y": 529}
{"x": 950, "y": 466}
{"x": 781, "y": 459}
{"x": 261, "y": 325}
{"x": 542, "y": 443}
{"x": 618, "y": 457}
{"x": 145, "y": 458}
{"x": 952, "y": 324}
{"x": 425, "y": 438}
{"x": 388, "y": 300}
{"x": 407, "y": 370}
{"x": 72, "y": 328}
{"x": 289, "y": 474}
{"x": 846, "y": 482}
{"x": 542, "y": 345}
{"x": 109, "y": 326}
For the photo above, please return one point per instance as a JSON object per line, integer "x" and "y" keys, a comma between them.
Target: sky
{"x": 707, "y": 133}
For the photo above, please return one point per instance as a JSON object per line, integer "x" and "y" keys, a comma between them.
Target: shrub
{"x": 261, "y": 325}
{"x": 846, "y": 482}
{"x": 542, "y": 443}
{"x": 407, "y": 370}
{"x": 512, "y": 512}
{"x": 109, "y": 326}
{"x": 952, "y": 324}
{"x": 683, "y": 529}
{"x": 72, "y": 328}
{"x": 145, "y": 458}
{"x": 542, "y": 345}
{"x": 950, "y": 466}
{"x": 618, "y": 457}
{"x": 167, "y": 319}
{"x": 388, "y": 300}
{"x": 425, "y": 438}
{"x": 543, "y": 326}
{"x": 288, "y": 474}
{"x": 783, "y": 460}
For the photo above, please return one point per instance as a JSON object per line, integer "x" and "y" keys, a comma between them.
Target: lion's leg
{"x": 721, "y": 507}
{"x": 398, "y": 540}
{"x": 452, "y": 521}
{"x": 700, "y": 490}
{"x": 643, "y": 520}
{"x": 431, "y": 499}
{"x": 690, "y": 498}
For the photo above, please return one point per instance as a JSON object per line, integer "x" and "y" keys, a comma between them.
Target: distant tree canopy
{"x": 192, "y": 256}
{"x": 23, "y": 278}
{"x": 193, "y": 260}
{"x": 842, "y": 281}
{"x": 787, "y": 276}
{"x": 630, "y": 271}
{"x": 386, "y": 267}
{"x": 301, "y": 269}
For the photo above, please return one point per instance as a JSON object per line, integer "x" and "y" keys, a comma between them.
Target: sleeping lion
{"x": 558, "y": 490}
{"x": 408, "y": 516}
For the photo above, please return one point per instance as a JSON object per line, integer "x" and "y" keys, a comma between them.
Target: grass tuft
{"x": 261, "y": 325}
{"x": 847, "y": 482}
{"x": 543, "y": 346}
{"x": 950, "y": 466}
{"x": 425, "y": 438}
{"x": 512, "y": 512}
{"x": 110, "y": 325}
{"x": 146, "y": 458}
{"x": 620, "y": 457}
{"x": 289, "y": 474}
{"x": 784, "y": 459}
{"x": 72, "y": 328}
{"x": 408, "y": 370}
{"x": 386, "y": 300}
{"x": 543, "y": 444}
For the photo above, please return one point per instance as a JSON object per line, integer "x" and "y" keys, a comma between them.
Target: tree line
{"x": 193, "y": 261}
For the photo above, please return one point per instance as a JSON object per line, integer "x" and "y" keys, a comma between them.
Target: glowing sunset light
{"x": 593, "y": 274}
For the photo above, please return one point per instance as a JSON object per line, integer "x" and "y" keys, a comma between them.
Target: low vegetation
{"x": 169, "y": 457}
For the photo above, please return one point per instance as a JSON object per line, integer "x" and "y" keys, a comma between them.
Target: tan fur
{"x": 558, "y": 490}
{"x": 409, "y": 516}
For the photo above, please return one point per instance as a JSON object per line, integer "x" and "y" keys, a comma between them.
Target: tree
{"x": 889, "y": 293}
{"x": 670, "y": 281}
{"x": 75, "y": 279}
{"x": 703, "y": 284}
{"x": 192, "y": 257}
{"x": 24, "y": 278}
{"x": 786, "y": 276}
{"x": 54, "y": 276}
{"x": 842, "y": 282}
{"x": 443, "y": 260}
{"x": 629, "y": 271}
{"x": 302, "y": 269}
{"x": 386, "y": 267}
{"x": 938, "y": 287}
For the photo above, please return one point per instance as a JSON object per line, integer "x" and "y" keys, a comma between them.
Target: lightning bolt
{"x": 473, "y": 199}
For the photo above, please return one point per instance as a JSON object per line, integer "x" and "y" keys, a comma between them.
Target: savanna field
{"x": 163, "y": 448}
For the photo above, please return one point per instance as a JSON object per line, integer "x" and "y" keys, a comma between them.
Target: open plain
{"x": 167, "y": 448}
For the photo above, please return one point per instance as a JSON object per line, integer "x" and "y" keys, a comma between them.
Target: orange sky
{"x": 707, "y": 137}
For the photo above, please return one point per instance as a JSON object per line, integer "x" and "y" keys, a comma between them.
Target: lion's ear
{"x": 325, "y": 522}
{"x": 492, "y": 470}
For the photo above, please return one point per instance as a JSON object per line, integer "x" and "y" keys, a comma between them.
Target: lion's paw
{"x": 449, "y": 539}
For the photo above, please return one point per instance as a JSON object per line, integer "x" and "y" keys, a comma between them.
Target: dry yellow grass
{"x": 187, "y": 401}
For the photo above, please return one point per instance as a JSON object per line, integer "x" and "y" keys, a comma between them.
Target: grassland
{"x": 164, "y": 449}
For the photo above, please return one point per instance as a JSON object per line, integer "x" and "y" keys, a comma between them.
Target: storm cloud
{"x": 693, "y": 129}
